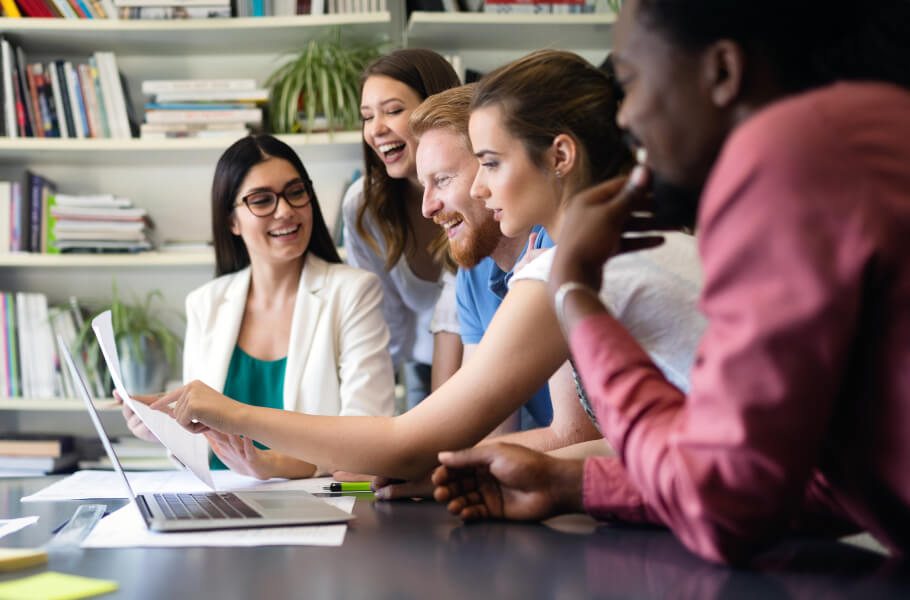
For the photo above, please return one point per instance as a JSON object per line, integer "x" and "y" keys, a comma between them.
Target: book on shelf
{"x": 156, "y": 86}
{"x": 211, "y": 11}
{"x": 35, "y": 444}
{"x": 58, "y": 99}
{"x": 243, "y": 115}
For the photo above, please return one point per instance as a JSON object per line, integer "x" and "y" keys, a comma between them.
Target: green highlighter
{"x": 354, "y": 486}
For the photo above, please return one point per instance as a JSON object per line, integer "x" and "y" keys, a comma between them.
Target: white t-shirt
{"x": 445, "y": 315}
{"x": 407, "y": 300}
{"x": 654, "y": 294}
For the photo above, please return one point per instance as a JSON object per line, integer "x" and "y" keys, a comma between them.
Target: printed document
{"x": 192, "y": 449}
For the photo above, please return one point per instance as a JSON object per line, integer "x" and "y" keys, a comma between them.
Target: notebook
{"x": 210, "y": 510}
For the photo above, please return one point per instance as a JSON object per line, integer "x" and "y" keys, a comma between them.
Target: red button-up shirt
{"x": 799, "y": 410}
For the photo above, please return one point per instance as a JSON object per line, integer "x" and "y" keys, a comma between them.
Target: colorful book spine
{"x": 10, "y": 9}
{"x": 103, "y": 106}
{"x": 12, "y": 350}
{"x": 37, "y": 125}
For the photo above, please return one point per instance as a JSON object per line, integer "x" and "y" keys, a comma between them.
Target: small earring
{"x": 558, "y": 173}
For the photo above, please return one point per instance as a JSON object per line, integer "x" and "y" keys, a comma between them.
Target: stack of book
{"x": 102, "y": 223}
{"x": 173, "y": 9}
{"x": 30, "y": 364}
{"x": 35, "y": 218}
{"x": 60, "y": 99}
{"x": 134, "y": 455}
{"x": 202, "y": 108}
{"x": 36, "y": 454}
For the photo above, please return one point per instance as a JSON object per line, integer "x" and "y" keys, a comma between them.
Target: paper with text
{"x": 92, "y": 485}
{"x": 191, "y": 449}
{"x": 125, "y": 529}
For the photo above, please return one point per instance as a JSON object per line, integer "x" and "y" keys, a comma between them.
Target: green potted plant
{"x": 147, "y": 348}
{"x": 321, "y": 81}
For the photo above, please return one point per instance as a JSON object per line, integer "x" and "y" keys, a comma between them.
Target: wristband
{"x": 559, "y": 300}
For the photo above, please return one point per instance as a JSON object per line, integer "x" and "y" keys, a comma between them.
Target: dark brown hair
{"x": 230, "y": 252}
{"x": 427, "y": 73}
{"x": 551, "y": 92}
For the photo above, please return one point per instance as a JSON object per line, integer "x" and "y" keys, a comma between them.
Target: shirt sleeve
{"x": 445, "y": 315}
{"x": 728, "y": 467}
{"x": 469, "y": 322}
{"x": 360, "y": 254}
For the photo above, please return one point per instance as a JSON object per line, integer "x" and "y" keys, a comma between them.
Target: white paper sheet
{"x": 8, "y": 526}
{"x": 192, "y": 449}
{"x": 125, "y": 529}
{"x": 85, "y": 485}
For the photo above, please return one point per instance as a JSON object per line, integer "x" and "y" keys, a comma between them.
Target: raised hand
{"x": 505, "y": 481}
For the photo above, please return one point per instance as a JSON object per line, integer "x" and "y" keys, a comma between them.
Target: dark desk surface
{"x": 402, "y": 550}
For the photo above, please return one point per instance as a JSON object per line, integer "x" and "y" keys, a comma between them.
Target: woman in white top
{"x": 541, "y": 142}
{"x": 284, "y": 325}
{"x": 384, "y": 230}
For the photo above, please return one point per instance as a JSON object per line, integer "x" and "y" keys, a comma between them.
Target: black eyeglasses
{"x": 264, "y": 203}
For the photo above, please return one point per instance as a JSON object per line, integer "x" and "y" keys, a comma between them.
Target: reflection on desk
{"x": 416, "y": 550}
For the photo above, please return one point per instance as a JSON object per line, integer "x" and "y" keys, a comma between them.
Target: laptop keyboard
{"x": 204, "y": 506}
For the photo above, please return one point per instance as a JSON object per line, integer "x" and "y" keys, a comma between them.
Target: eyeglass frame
{"x": 308, "y": 190}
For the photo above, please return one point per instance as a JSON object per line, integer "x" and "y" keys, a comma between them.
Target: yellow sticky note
{"x": 54, "y": 586}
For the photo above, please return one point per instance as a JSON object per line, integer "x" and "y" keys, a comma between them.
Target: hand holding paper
{"x": 199, "y": 408}
{"x": 191, "y": 450}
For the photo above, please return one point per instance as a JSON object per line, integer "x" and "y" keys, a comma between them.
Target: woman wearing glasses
{"x": 283, "y": 310}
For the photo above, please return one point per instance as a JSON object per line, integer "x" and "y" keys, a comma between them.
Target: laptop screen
{"x": 93, "y": 415}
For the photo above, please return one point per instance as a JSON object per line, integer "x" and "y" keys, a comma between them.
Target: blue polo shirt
{"x": 479, "y": 292}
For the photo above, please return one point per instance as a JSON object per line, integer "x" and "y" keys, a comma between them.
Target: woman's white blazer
{"x": 338, "y": 361}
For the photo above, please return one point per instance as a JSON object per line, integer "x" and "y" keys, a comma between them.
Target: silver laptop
{"x": 211, "y": 510}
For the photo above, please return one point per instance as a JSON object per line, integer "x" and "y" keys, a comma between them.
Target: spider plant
{"x": 324, "y": 80}
{"x": 132, "y": 323}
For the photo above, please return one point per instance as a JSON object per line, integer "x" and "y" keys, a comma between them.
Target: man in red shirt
{"x": 795, "y": 136}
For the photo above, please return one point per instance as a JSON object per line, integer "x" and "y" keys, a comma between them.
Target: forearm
{"x": 598, "y": 447}
{"x": 567, "y": 481}
{"x": 373, "y": 445}
{"x": 289, "y": 467}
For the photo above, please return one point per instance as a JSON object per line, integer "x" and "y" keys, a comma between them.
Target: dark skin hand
{"x": 506, "y": 481}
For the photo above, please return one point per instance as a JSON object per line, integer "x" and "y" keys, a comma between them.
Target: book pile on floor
{"x": 61, "y": 99}
{"x": 102, "y": 223}
{"x": 199, "y": 108}
{"x": 25, "y": 454}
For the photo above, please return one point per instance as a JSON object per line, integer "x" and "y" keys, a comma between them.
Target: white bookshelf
{"x": 344, "y": 145}
{"x": 523, "y": 32}
{"x": 137, "y": 260}
{"x": 260, "y": 35}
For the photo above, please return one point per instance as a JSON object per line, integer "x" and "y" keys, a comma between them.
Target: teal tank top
{"x": 255, "y": 382}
